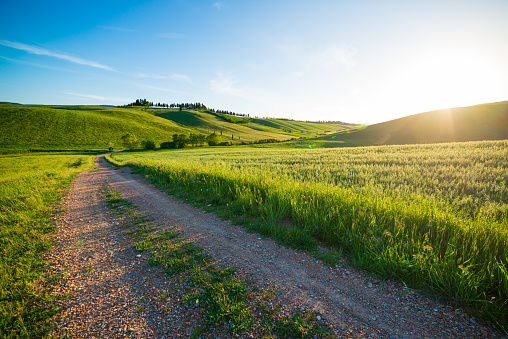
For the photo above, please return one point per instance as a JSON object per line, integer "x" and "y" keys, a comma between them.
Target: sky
{"x": 354, "y": 61}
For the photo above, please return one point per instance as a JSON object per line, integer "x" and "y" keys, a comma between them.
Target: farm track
{"x": 107, "y": 279}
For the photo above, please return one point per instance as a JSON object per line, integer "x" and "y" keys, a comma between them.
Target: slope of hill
{"x": 208, "y": 123}
{"x": 31, "y": 127}
{"x": 303, "y": 128}
{"x": 25, "y": 127}
{"x": 472, "y": 123}
{"x": 256, "y": 130}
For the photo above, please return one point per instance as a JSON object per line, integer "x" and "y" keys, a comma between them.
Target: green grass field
{"x": 29, "y": 188}
{"x": 433, "y": 216}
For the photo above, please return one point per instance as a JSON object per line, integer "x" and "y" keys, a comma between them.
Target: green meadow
{"x": 30, "y": 186}
{"x": 433, "y": 216}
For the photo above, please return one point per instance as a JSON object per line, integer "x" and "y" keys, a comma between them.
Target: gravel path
{"x": 115, "y": 294}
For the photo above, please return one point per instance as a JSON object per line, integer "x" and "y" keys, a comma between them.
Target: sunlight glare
{"x": 448, "y": 79}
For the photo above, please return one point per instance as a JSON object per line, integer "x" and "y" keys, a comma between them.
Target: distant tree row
{"x": 130, "y": 141}
{"x": 144, "y": 102}
{"x": 141, "y": 102}
{"x": 331, "y": 122}
{"x": 196, "y": 105}
{"x": 228, "y": 112}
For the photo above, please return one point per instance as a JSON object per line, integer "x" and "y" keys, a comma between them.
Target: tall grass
{"x": 29, "y": 188}
{"x": 433, "y": 216}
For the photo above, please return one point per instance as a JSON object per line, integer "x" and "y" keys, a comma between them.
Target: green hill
{"x": 257, "y": 129}
{"x": 303, "y": 128}
{"x": 207, "y": 123}
{"x": 473, "y": 123}
{"x": 26, "y": 127}
{"x": 31, "y": 127}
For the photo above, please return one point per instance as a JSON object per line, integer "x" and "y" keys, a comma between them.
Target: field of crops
{"x": 434, "y": 216}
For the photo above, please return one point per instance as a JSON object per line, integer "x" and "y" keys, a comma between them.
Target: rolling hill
{"x": 251, "y": 131}
{"x": 26, "y": 127}
{"x": 472, "y": 123}
{"x": 31, "y": 127}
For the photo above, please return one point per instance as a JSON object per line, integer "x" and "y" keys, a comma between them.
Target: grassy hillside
{"x": 473, "y": 123}
{"x": 303, "y": 128}
{"x": 208, "y": 123}
{"x": 25, "y": 127}
{"x": 256, "y": 130}
{"x": 78, "y": 127}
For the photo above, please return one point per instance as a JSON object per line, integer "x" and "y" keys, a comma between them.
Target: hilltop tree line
{"x": 196, "y": 105}
{"x": 144, "y": 102}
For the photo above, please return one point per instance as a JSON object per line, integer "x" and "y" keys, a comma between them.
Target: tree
{"x": 129, "y": 141}
{"x": 195, "y": 139}
{"x": 148, "y": 144}
{"x": 167, "y": 144}
{"x": 213, "y": 139}
{"x": 180, "y": 140}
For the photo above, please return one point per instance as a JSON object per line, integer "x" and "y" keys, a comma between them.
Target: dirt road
{"x": 114, "y": 293}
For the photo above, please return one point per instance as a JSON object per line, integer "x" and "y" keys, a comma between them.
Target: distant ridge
{"x": 471, "y": 123}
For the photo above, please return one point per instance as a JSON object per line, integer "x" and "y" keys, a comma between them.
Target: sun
{"x": 446, "y": 79}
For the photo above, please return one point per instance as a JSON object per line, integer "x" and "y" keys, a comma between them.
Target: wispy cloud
{"x": 218, "y": 5}
{"x": 38, "y": 65}
{"x": 334, "y": 56}
{"x": 41, "y": 51}
{"x": 225, "y": 84}
{"x": 148, "y": 76}
{"x": 118, "y": 29}
{"x": 180, "y": 77}
{"x": 170, "y": 35}
{"x": 175, "y": 76}
{"x": 98, "y": 97}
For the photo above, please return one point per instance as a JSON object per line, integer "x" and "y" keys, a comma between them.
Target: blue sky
{"x": 355, "y": 61}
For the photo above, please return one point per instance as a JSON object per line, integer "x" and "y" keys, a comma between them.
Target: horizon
{"x": 362, "y": 63}
{"x": 255, "y": 117}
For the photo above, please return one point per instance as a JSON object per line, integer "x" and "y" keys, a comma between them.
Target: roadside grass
{"x": 224, "y": 298}
{"x": 432, "y": 216}
{"x": 30, "y": 186}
